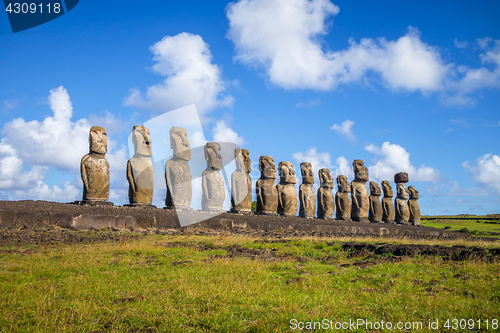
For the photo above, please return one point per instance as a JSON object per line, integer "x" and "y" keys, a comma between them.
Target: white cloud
{"x": 222, "y": 133}
{"x": 460, "y": 45}
{"x": 345, "y": 129}
{"x": 285, "y": 38}
{"x": 486, "y": 171}
{"x": 392, "y": 158}
{"x": 184, "y": 61}
{"x": 312, "y": 103}
{"x": 344, "y": 168}
{"x": 9, "y": 105}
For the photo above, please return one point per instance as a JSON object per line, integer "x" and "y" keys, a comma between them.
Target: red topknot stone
{"x": 401, "y": 177}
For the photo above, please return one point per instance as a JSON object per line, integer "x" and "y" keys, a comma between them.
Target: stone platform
{"x": 28, "y": 213}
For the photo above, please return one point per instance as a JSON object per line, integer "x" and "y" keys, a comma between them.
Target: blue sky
{"x": 403, "y": 86}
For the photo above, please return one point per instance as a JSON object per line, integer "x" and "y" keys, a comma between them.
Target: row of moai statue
{"x": 271, "y": 198}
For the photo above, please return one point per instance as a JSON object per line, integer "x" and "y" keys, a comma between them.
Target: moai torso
{"x": 326, "y": 202}
{"x": 413, "y": 206}
{"x": 388, "y": 214}
{"x": 306, "y": 192}
{"x": 177, "y": 171}
{"x": 401, "y": 205}
{"x": 342, "y": 199}
{"x": 359, "y": 194}
{"x": 213, "y": 194}
{"x": 375, "y": 214}
{"x": 287, "y": 197}
{"x": 94, "y": 168}
{"x": 140, "y": 168}
{"x": 267, "y": 194}
{"x": 241, "y": 183}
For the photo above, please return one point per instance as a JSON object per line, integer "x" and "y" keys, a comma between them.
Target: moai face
{"x": 386, "y": 185}
{"x": 287, "y": 173}
{"x": 242, "y": 159}
{"x": 402, "y": 191}
{"x": 343, "y": 185}
{"x": 307, "y": 173}
{"x": 325, "y": 178}
{"x": 413, "y": 192}
{"x": 213, "y": 156}
{"x": 267, "y": 168}
{"x": 98, "y": 140}
{"x": 141, "y": 140}
{"x": 360, "y": 171}
{"x": 375, "y": 189}
{"x": 179, "y": 143}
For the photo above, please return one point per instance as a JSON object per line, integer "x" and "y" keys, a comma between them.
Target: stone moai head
{"x": 375, "y": 189}
{"x": 413, "y": 192}
{"x": 98, "y": 140}
{"x": 242, "y": 159}
{"x": 402, "y": 191}
{"x": 325, "y": 178}
{"x": 343, "y": 185}
{"x": 141, "y": 140}
{"x": 307, "y": 173}
{"x": 267, "y": 168}
{"x": 180, "y": 144}
{"x": 213, "y": 156}
{"x": 287, "y": 173}
{"x": 386, "y": 186}
{"x": 360, "y": 171}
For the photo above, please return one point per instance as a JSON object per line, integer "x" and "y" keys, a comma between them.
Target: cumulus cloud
{"x": 10, "y": 105}
{"x": 345, "y": 129}
{"x": 392, "y": 158}
{"x": 285, "y": 38}
{"x": 185, "y": 62}
{"x": 460, "y": 44}
{"x": 486, "y": 171}
{"x": 343, "y": 168}
{"x": 222, "y": 133}
{"x": 312, "y": 103}
{"x": 29, "y": 149}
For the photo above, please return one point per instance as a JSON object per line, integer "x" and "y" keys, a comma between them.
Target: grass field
{"x": 191, "y": 283}
{"x": 484, "y": 226}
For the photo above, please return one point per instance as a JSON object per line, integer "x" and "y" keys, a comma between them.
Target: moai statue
{"x": 375, "y": 214}
{"x": 306, "y": 194}
{"x": 326, "y": 202}
{"x": 213, "y": 194}
{"x": 267, "y": 194}
{"x": 241, "y": 183}
{"x": 413, "y": 206}
{"x": 140, "y": 168}
{"x": 401, "y": 204}
{"x": 95, "y": 169}
{"x": 388, "y": 215}
{"x": 287, "y": 197}
{"x": 342, "y": 200}
{"x": 359, "y": 194}
{"x": 177, "y": 171}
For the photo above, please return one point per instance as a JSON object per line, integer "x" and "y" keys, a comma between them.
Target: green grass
{"x": 148, "y": 284}
{"x": 477, "y": 226}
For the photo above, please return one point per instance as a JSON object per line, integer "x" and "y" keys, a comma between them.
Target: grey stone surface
{"x": 307, "y": 198}
{"x": 342, "y": 199}
{"x": 326, "y": 201}
{"x": 213, "y": 193}
{"x": 388, "y": 215}
{"x": 359, "y": 194}
{"x": 287, "y": 197}
{"x": 94, "y": 168}
{"x": 375, "y": 214}
{"x": 267, "y": 194}
{"x": 177, "y": 171}
{"x": 241, "y": 183}
{"x": 413, "y": 206}
{"x": 140, "y": 168}
{"x": 401, "y": 204}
